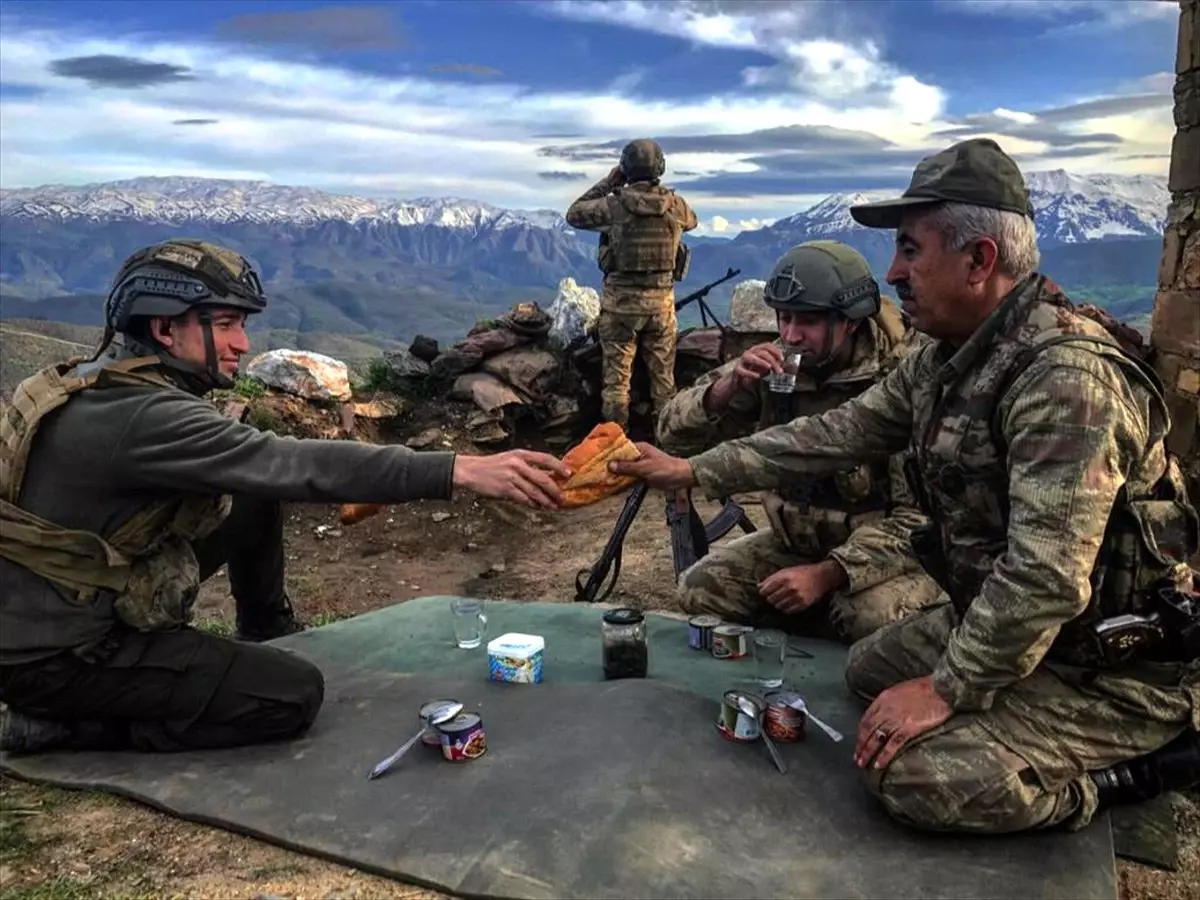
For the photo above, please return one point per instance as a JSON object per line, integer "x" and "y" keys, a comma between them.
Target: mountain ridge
{"x": 346, "y": 264}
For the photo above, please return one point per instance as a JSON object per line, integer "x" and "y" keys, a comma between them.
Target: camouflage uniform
{"x": 637, "y": 306}
{"x": 860, "y": 518}
{"x": 1043, "y": 471}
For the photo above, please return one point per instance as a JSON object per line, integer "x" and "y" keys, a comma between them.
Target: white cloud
{"x": 301, "y": 123}
{"x": 1085, "y": 15}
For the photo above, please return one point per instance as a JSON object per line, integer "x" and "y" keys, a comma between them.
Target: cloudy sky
{"x": 762, "y": 106}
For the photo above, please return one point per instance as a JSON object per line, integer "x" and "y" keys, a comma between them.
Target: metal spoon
{"x": 749, "y": 709}
{"x": 829, "y": 730}
{"x": 442, "y": 713}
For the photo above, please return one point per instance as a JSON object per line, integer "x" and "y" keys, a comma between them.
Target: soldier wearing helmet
{"x": 641, "y": 225}
{"x": 122, "y": 488}
{"x": 835, "y": 561}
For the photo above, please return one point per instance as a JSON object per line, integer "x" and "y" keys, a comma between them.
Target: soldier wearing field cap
{"x": 1064, "y": 674}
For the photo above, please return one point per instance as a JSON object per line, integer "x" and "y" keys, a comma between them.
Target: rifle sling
{"x": 610, "y": 558}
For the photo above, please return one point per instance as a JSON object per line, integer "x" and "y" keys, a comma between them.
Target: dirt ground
{"x": 60, "y": 844}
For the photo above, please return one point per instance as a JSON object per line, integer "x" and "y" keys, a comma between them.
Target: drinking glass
{"x": 470, "y": 622}
{"x": 769, "y": 650}
{"x": 785, "y": 382}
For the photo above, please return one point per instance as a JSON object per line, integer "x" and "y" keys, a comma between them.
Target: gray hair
{"x": 1014, "y": 234}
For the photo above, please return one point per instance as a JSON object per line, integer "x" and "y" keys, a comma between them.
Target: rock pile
{"x": 527, "y": 370}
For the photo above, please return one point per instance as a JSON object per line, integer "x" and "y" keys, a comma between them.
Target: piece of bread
{"x": 588, "y": 461}
{"x": 349, "y": 513}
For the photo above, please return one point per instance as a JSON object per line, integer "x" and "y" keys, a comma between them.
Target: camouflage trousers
{"x": 622, "y": 336}
{"x": 1022, "y": 764}
{"x": 725, "y": 583}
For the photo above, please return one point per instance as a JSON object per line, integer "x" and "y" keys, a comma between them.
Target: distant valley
{"x": 358, "y": 275}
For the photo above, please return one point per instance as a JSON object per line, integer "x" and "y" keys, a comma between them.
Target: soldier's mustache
{"x": 904, "y": 291}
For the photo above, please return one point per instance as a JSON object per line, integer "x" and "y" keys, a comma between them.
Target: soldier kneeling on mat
{"x": 122, "y": 488}
{"x": 837, "y": 560}
{"x": 1064, "y": 674}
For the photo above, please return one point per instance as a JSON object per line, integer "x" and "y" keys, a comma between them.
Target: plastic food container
{"x": 516, "y": 658}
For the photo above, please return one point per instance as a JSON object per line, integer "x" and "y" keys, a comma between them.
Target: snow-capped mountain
{"x": 177, "y": 200}
{"x": 342, "y": 263}
{"x": 1068, "y": 208}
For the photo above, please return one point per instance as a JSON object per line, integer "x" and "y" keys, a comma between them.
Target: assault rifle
{"x": 697, "y": 296}
{"x": 690, "y": 539}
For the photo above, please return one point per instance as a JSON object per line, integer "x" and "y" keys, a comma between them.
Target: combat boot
{"x": 1173, "y": 767}
{"x": 25, "y": 734}
{"x": 278, "y": 621}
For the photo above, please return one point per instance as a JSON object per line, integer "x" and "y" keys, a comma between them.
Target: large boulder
{"x": 303, "y": 373}
{"x": 748, "y": 314}
{"x": 573, "y": 312}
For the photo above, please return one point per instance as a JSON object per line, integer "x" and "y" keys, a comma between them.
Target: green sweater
{"x": 108, "y": 452}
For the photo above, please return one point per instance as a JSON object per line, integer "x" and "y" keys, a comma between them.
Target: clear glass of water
{"x": 769, "y": 650}
{"x": 785, "y": 382}
{"x": 470, "y": 622}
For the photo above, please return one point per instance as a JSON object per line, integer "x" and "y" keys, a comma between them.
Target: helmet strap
{"x": 826, "y": 357}
{"x": 105, "y": 341}
{"x": 210, "y": 350}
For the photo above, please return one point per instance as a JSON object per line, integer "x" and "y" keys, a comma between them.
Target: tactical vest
{"x": 960, "y": 469}
{"x": 820, "y": 513}
{"x": 640, "y": 242}
{"x": 148, "y": 561}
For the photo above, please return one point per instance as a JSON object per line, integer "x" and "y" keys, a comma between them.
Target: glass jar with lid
{"x": 623, "y": 633}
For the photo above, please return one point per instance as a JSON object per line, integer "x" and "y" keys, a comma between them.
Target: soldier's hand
{"x": 657, "y": 469}
{"x": 899, "y": 715}
{"x": 616, "y": 177}
{"x": 756, "y": 363}
{"x": 796, "y": 588}
{"x": 521, "y": 476}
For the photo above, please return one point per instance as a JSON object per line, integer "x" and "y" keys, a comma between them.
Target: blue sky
{"x": 763, "y": 106}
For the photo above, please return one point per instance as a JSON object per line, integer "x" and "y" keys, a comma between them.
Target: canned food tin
{"x": 730, "y": 641}
{"x": 786, "y": 717}
{"x": 700, "y": 631}
{"x": 735, "y": 724}
{"x": 463, "y": 737}
{"x": 430, "y": 737}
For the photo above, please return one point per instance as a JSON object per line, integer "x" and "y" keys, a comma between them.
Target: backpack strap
{"x": 1026, "y": 357}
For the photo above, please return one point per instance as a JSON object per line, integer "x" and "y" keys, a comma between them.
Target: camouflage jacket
{"x": 1023, "y": 521}
{"x": 632, "y": 293}
{"x": 862, "y": 517}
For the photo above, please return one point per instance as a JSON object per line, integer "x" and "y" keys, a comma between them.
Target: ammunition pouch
{"x": 162, "y": 588}
{"x": 683, "y": 261}
{"x": 147, "y": 562}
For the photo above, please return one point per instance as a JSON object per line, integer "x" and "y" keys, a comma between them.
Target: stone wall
{"x": 1175, "y": 328}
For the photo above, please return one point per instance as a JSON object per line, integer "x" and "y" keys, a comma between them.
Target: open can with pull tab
{"x": 734, "y": 723}
{"x": 430, "y": 736}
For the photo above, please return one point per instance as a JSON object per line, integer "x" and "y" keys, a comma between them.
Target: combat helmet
{"x": 823, "y": 277}
{"x": 643, "y": 160}
{"x": 172, "y": 277}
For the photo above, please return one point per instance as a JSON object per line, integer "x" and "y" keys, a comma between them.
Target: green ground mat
{"x": 588, "y": 788}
